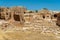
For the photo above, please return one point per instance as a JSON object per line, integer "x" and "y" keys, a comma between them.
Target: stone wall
{"x": 20, "y": 15}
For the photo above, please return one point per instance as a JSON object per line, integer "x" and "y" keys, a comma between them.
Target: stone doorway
{"x": 55, "y": 15}
{"x": 16, "y": 17}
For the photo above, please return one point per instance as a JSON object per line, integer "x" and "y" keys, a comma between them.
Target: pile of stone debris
{"x": 43, "y": 28}
{"x": 5, "y": 26}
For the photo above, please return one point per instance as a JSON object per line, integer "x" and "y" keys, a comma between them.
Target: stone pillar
{"x": 21, "y": 18}
{"x": 12, "y": 17}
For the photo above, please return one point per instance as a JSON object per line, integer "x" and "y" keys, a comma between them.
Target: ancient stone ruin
{"x": 20, "y": 15}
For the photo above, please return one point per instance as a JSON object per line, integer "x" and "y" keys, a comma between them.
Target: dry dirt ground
{"x": 33, "y": 31}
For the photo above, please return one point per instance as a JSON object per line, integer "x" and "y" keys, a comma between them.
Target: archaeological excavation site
{"x": 19, "y": 23}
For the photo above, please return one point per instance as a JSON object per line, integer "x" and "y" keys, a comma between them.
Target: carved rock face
{"x": 58, "y": 19}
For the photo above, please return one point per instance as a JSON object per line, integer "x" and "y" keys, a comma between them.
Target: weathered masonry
{"x": 17, "y": 14}
{"x": 14, "y": 15}
{"x": 58, "y": 19}
{"x": 20, "y": 15}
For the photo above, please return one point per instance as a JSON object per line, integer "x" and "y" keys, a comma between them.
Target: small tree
{"x": 36, "y": 11}
{"x": 45, "y": 8}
